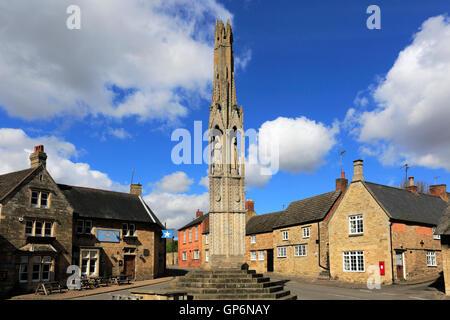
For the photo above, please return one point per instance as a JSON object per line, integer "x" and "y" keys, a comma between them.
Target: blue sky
{"x": 100, "y": 117}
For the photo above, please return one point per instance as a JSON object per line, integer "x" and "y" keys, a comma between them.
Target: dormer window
{"x": 35, "y": 228}
{"x": 40, "y": 199}
{"x": 128, "y": 230}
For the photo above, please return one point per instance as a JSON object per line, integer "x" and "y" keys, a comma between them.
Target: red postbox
{"x": 382, "y": 268}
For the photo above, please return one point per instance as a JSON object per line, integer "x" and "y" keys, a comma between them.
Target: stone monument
{"x": 226, "y": 162}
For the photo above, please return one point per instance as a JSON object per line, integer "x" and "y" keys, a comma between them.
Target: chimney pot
{"x": 199, "y": 213}
{"x": 358, "y": 170}
{"x": 250, "y": 205}
{"x": 341, "y": 183}
{"x": 411, "y": 181}
{"x": 38, "y": 157}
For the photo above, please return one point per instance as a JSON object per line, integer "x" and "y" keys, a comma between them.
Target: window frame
{"x": 261, "y": 255}
{"x": 36, "y": 201}
{"x": 253, "y": 255}
{"x": 196, "y": 254}
{"x": 280, "y": 249}
{"x": 431, "y": 258}
{"x": 298, "y": 251}
{"x": 285, "y": 235}
{"x": 184, "y": 256}
{"x": 308, "y": 231}
{"x": 89, "y": 259}
{"x": 355, "y": 219}
{"x": 356, "y": 254}
{"x": 253, "y": 239}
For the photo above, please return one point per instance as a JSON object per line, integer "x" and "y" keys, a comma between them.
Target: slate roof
{"x": 444, "y": 223}
{"x": 102, "y": 204}
{"x": 196, "y": 221}
{"x": 9, "y": 181}
{"x": 262, "y": 223}
{"x": 403, "y": 205}
{"x": 308, "y": 210}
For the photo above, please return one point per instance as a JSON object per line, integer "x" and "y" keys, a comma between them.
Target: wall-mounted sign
{"x": 108, "y": 235}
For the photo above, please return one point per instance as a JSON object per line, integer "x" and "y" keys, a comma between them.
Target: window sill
{"x": 356, "y": 234}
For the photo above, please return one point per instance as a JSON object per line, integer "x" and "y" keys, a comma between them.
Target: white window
{"x": 128, "y": 230}
{"x": 196, "y": 233}
{"x": 46, "y": 266}
{"x": 206, "y": 255}
{"x": 306, "y": 232}
{"x": 353, "y": 261}
{"x": 436, "y": 236}
{"x": 253, "y": 255}
{"x": 261, "y": 255}
{"x": 206, "y": 238}
{"x": 89, "y": 262}
{"x": 40, "y": 199}
{"x": 300, "y": 250}
{"x": 253, "y": 239}
{"x": 285, "y": 234}
{"x": 184, "y": 236}
{"x": 281, "y": 252}
{"x": 356, "y": 224}
{"x": 184, "y": 256}
{"x": 23, "y": 269}
{"x": 431, "y": 259}
{"x": 190, "y": 235}
{"x": 196, "y": 255}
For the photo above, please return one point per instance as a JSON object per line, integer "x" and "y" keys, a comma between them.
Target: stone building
{"x": 443, "y": 230}
{"x": 115, "y": 233}
{"x": 381, "y": 231}
{"x": 191, "y": 252}
{"x": 41, "y": 230}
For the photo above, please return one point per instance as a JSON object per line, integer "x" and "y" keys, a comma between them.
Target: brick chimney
{"x": 250, "y": 205}
{"x": 358, "y": 170}
{"x": 136, "y": 189}
{"x": 411, "y": 187}
{"x": 341, "y": 183}
{"x": 439, "y": 190}
{"x": 199, "y": 213}
{"x": 38, "y": 157}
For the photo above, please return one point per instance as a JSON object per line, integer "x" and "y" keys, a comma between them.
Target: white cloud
{"x": 119, "y": 133}
{"x": 242, "y": 60}
{"x": 173, "y": 207}
{"x": 15, "y": 149}
{"x": 162, "y": 49}
{"x": 410, "y": 122}
{"x": 175, "y": 182}
{"x": 204, "y": 182}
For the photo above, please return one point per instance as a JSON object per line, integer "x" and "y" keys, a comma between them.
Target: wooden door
{"x": 269, "y": 260}
{"x": 129, "y": 266}
{"x": 399, "y": 265}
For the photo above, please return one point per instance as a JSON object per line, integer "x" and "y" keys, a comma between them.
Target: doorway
{"x": 269, "y": 260}
{"x": 400, "y": 264}
{"x": 129, "y": 266}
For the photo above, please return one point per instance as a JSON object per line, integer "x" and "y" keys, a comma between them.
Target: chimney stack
{"x": 250, "y": 205}
{"x": 341, "y": 183}
{"x": 439, "y": 190}
{"x": 411, "y": 187}
{"x": 199, "y": 213}
{"x": 38, "y": 157}
{"x": 136, "y": 189}
{"x": 358, "y": 170}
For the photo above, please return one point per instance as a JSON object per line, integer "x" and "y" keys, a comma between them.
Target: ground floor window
{"x": 431, "y": 259}
{"x": 300, "y": 250}
{"x": 89, "y": 262}
{"x": 196, "y": 255}
{"x": 281, "y": 252}
{"x": 261, "y": 255}
{"x": 253, "y": 255}
{"x": 184, "y": 256}
{"x": 353, "y": 261}
{"x": 206, "y": 255}
{"x": 39, "y": 268}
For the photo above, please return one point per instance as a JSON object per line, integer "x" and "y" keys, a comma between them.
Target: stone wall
{"x": 264, "y": 241}
{"x": 112, "y": 254}
{"x": 15, "y": 211}
{"x": 304, "y": 266}
{"x": 445, "y": 242}
{"x": 375, "y": 241}
{"x": 414, "y": 241}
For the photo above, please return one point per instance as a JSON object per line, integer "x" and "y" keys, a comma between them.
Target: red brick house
{"x": 190, "y": 241}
